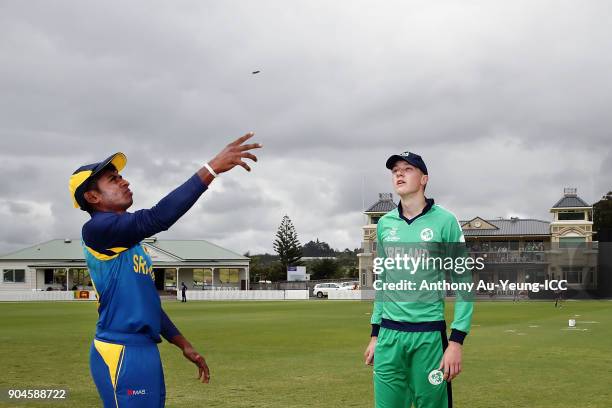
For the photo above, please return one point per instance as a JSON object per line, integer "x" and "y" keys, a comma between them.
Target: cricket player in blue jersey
{"x": 124, "y": 360}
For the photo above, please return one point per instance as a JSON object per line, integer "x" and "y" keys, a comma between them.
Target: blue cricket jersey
{"x": 122, "y": 271}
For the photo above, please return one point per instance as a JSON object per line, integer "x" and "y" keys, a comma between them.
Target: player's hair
{"x": 92, "y": 184}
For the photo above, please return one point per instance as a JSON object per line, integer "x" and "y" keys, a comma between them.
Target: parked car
{"x": 349, "y": 285}
{"x": 323, "y": 289}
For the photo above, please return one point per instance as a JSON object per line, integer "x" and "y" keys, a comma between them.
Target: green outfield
{"x": 309, "y": 354}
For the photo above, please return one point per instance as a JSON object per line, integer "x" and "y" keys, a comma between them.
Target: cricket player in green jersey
{"x": 413, "y": 360}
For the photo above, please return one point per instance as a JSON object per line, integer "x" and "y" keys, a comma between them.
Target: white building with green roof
{"x": 59, "y": 265}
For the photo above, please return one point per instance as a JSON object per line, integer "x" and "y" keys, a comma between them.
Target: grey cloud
{"x": 18, "y": 208}
{"x": 507, "y": 101}
{"x": 16, "y": 176}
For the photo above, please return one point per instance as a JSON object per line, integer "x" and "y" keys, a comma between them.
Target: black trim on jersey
{"x": 429, "y": 202}
{"x": 449, "y": 389}
{"x": 457, "y": 336}
{"x": 437, "y": 325}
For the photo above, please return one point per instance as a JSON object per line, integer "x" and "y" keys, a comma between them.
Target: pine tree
{"x": 287, "y": 245}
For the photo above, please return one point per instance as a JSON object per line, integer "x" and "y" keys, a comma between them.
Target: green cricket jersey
{"x": 419, "y": 237}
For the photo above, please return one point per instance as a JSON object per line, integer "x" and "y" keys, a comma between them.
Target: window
{"x": 170, "y": 277}
{"x": 538, "y": 276}
{"x": 573, "y": 274}
{"x": 59, "y": 277}
{"x": 571, "y": 216}
{"x": 202, "y": 276}
{"x": 48, "y": 276}
{"x": 227, "y": 275}
{"x": 14, "y": 275}
{"x": 79, "y": 277}
{"x": 572, "y": 242}
{"x": 363, "y": 277}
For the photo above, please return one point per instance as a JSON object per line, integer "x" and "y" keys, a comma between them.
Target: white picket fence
{"x": 245, "y": 295}
{"x": 57, "y": 295}
{"x": 29, "y": 296}
{"x": 351, "y": 295}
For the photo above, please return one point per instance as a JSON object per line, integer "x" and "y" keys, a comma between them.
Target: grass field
{"x": 309, "y": 354}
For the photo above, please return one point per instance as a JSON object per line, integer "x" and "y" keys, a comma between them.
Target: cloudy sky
{"x": 507, "y": 101}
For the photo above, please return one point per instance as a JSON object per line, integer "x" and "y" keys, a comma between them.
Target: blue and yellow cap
{"x": 79, "y": 179}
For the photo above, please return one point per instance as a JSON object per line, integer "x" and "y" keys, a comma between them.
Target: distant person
{"x": 183, "y": 292}
{"x": 558, "y": 298}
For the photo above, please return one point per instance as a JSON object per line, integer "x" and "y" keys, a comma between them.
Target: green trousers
{"x": 406, "y": 370}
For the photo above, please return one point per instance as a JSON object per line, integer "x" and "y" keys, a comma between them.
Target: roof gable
{"x": 478, "y": 223}
{"x": 157, "y": 255}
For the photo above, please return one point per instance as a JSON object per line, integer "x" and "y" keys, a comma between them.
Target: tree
{"x": 287, "y": 245}
{"x": 602, "y": 218}
{"x": 602, "y": 225}
{"x": 263, "y": 267}
{"x": 324, "y": 269}
{"x": 317, "y": 249}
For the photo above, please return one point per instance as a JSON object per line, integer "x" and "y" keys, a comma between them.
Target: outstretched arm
{"x": 114, "y": 230}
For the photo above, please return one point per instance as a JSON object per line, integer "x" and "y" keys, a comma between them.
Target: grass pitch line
{"x": 574, "y": 329}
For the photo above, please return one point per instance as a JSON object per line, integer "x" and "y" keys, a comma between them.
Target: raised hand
{"x": 233, "y": 154}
